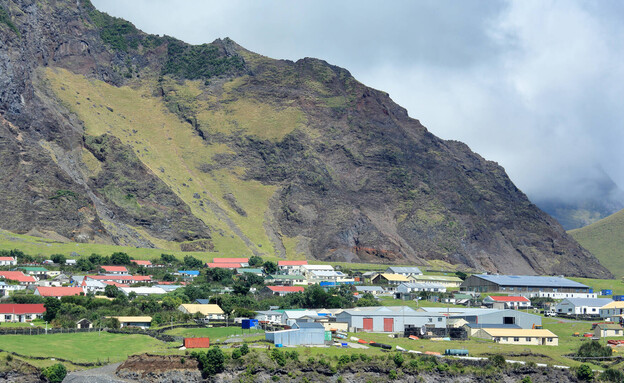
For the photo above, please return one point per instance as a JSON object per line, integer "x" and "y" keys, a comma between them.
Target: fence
{"x": 42, "y": 330}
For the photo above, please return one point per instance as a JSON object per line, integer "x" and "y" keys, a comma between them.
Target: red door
{"x": 368, "y": 324}
{"x": 388, "y": 324}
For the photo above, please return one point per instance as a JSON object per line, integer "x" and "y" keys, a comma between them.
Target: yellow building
{"x": 210, "y": 311}
{"x": 390, "y": 279}
{"x": 536, "y": 337}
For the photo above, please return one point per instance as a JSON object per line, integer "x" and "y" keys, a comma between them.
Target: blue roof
{"x": 531, "y": 281}
{"x": 189, "y": 272}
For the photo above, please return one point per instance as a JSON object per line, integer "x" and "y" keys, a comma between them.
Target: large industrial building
{"x": 389, "y": 319}
{"x": 523, "y": 284}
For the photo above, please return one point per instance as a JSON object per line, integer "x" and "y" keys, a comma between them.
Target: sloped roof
{"x": 16, "y": 276}
{"x": 401, "y": 270}
{"x": 111, "y": 269}
{"x": 136, "y": 319}
{"x": 113, "y": 283}
{"x": 230, "y": 260}
{"x": 141, "y": 262}
{"x": 614, "y": 305}
{"x": 369, "y": 288}
{"x": 292, "y": 263}
{"x": 45, "y": 291}
{"x": 286, "y": 289}
{"x": 395, "y": 277}
{"x": 143, "y": 290}
{"x": 508, "y": 298}
{"x": 25, "y": 308}
{"x": 207, "y": 309}
{"x": 596, "y": 302}
{"x": 437, "y": 278}
{"x": 609, "y": 326}
{"x": 223, "y": 265}
{"x": 500, "y": 332}
{"x": 7, "y": 259}
{"x": 530, "y": 280}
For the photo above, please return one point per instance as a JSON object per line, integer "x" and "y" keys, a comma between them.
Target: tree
{"x": 55, "y": 373}
{"x": 214, "y": 361}
{"x": 594, "y": 349}
{"x": 240, "y": 289}
{"x": 168, "y": 277}
{"x": 83, "y": 264}
{"x": 58, "y": 259}
{"x": 270, "y": 267}
{"x": 112, "y": 291}
{"x": 52, "y": 306}
{"x": 119, "y": 258}
{"x": 168, "y": 259}
{"x": 255, "y": 261}
{"x": 461, "y": 275}
{"x": 97, "y": 259}
{"x": 584, "y": 372}
{"x": 191, "y": 262}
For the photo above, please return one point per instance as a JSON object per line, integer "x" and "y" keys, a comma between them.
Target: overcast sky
{"x": 537, "y": 86}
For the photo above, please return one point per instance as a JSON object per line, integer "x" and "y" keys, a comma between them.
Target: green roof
{"x": 286, "y": 277}
{"x": 33, "y": 268}
{"x": 249, "y": 270}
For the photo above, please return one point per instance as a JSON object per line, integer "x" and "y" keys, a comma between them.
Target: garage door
{"x": 388, "y": 324}
{"x": 368, "y": 324}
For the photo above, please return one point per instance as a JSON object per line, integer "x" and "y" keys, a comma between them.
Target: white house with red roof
{"x": 507, "y": 302}
{"x": 8, "y": 261}
{"x": 291, "y": 267}
{"x": 125, "y": 279}
{"x": 58, "y": 292}
{"x": 117, "y": 270}
{"x": 224, "y": 265}
{"x": 18, "y": 276}
{"x": 244, "y": 262}
{"x": 282, "y": 290}
{"x": 21, "y": 312}
{"x": 141, "y": 262}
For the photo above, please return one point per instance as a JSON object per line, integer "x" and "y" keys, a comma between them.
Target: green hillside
{"x": 605, "y": 240}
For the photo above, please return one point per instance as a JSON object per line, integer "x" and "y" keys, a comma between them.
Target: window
{"x": 497, "y": 339}
{"x": 430, "y": 319}
{"x": 440, "y": 319}
{"x": 505, "y": 339}
{"x": 528, "y": 339}
{"x": 516, "y": 339}
{"x": 511, "y": 289}
{"x": 7, "y": 317}
{"x": 550, "y": 339}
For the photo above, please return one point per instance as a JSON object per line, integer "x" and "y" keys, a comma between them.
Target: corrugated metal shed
{"x": 530, "y": 280}
{"x": 196, "y": 342}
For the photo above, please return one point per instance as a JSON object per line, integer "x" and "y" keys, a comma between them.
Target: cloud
{"x": 533, "y": 85}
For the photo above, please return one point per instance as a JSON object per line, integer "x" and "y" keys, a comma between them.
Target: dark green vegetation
{"x": 146, "y": 141}
{"x": 55, "y": 373}
{"x": 604, "y": 239}
{"x": 6, "y": 19}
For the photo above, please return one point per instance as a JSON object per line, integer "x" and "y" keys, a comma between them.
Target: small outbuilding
{"x": 301, "y": 334}
{"x": 603, "y": 330}
{"x": 84, "y": 323}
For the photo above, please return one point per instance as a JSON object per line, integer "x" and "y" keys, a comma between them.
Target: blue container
{"x": 278, "y": 345}
{"x": 344, "y": 344}
{"x": 606, "y": 292}
{"x": 246, "y": 324}
{"x": 618, "y": 298}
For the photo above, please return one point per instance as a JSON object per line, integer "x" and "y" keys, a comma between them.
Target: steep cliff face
{"x": 121, "y": 137}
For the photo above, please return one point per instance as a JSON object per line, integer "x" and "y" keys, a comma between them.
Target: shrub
{"x": 9, "y": 357}
{"x": 278, "y": 357}
{"x": 236, "y": 354}
{"x": 526, "y": 379}
{"x": 612, "y": 375}
{"x": 55, "y": 373}
{"x": 497, "y": 360}
{"x": 294, "y": 355}
{"x": 398, "y": 359}
{"x": 244, "y": 349}
{"x": 594, "y": 349}
{"x": 344, "y": 359}
{"x": 365, "y": 358}
{"x": 584, "y": 372}
{"x": 392, "y": 375}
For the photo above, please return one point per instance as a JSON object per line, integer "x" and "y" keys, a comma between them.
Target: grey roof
{"x": 402, "y": 270}
{"x": 202, "y": 301}
{"x": 323, "y": 273}
{"x": 309, "y": 325}
{"x": 596, "y": 302}
{"x": 416, "y": 285}
{"x": 491, "y": 325}
{"x": 369, "y": 288}
{"x": 531, "y": 281}
{"x": 388, "y": 310}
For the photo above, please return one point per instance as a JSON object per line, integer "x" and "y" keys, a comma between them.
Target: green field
{"x": 599, "y": 284}
{"x": 604, "y": 239}
{"x": 81, "y": 347}
{"x": 216, "y": 334}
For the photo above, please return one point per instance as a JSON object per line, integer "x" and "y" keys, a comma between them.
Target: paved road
{"x": 104, "y": 374}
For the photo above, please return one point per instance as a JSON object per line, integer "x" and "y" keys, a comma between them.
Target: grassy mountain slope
{"x": 147, "y": 141}
{"x": 604, "y": 239}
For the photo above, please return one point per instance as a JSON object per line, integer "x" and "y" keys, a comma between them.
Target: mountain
{"x": 604, "y": 239}
{"x": 110, "y": 135}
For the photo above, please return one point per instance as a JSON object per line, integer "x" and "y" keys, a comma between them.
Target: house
{"x": 84, "y": 323}
{"x": 290, "y": 316}
{"x": 125, "y": 279}
{"x": 243, "y": 262}
{"x": 612, "y": 310}
{"x": 249, "y": 270}
{"x": 287, "y": 280}
{"x": 403, "y": 270}
{"x": 231, "y": 266}
{"x": 507, "y": 302}
{"x": 143, "y": 291}
{"x": 8, "y": 261}
{"x": 291, "y": 267}
{"x": 208, "y": 311}
{"x": 375, "y": 290}
{"x": 412, "y": 287}
{"x": 282, "y": 290}
{"x": 524, "y": 337}
{"x": 336, "y": 277}
{"x": 450, "y": 282}
{"x": 35, "y": 271}
{"x": 581, "y": 306}
{"x": 389, "y": 319}
{"x": 390, "y": 279}
{"x": 472, "y": 328}
{"x": 140, "y": 262}
{"x": 189, "y": 273}
{"x": 168, "y": 287}
{"x": 18, "y": 276}
{"x": 269, "y": 316}
{"x": 92, "y": 286}
{"x": 307, "y": 269}
{"x": 301, "y": 334}
{"x": 71, "y": 262}
{"x": 603, "y": 330}
{"x": 114, "y": 270}
{"x": 18, "y": 312}
{"x": 529, "y": 285}
{"x": 58, "y": 292}
{"x": 7, "y": 289}
{"x": 143, "y": 322}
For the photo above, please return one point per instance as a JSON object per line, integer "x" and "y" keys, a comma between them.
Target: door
{"x": 368, "y": 324}
{"x": 388, "y": 324}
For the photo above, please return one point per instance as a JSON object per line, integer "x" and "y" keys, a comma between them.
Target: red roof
{"x": 16, "y": 276}
{"x": 7, "y": 259}
{"x": 292, "y": 263}
{"x": 224, "y": 265}
{"x": 111, "y": 269}
{"x": 142, "y": 278}
{"x": 509, "y": 299}
{"x": 115, "y": 283}
{"x": 136, "y": 278}
{"x": 59, "y": 291}
{"x": 141, "y": 262}
{"x": 286, "y": 289}
{"x": 24, "y": 308}
{"x": 196, "y": 342}
{"x": 230, "y": 260}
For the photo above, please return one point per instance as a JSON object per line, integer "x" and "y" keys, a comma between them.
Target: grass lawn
{"x": 599, "y": 284}
{"x": 35, "y": 323}
{"x": 216, "y": 334}
{"x": 81, "y": 347}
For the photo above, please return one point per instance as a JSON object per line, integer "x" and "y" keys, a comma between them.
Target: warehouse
{"x": 513, "y": 284}
{"x": 389, "y": 319}
{"x": 489, "y": 316}
{"x": 301, "y": 334}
